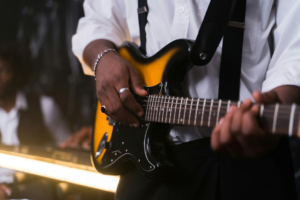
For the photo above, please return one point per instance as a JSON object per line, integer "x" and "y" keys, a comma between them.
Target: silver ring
{"x": 123, "y": 90}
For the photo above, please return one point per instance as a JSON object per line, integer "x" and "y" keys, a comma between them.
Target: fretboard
{"x": 277, "y": 118}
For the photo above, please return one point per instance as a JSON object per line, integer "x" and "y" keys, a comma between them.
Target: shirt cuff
{"x": 280, "y": 78}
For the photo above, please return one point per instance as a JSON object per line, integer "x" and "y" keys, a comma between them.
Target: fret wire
{"x": 159, "y": 110}
{"x": 196, "y": 113}
{"x": 214, "y": 99}
{"x": 191, "y": 108}
{"x": 171, "y": 109}
{"x": 284, "y": 113}
{"x": 185, "y": 109}
{"x": 153, "y": 106}
{"x": 228, "y": 105}
{"x": 162, "y": 108}
{"x": 292, "y": 116}
{"x": 167, "y": 110}
{"x": 175, "y": 109}
{"x": 275, "y": 118}
{"x": 160, "y": 119}
{"x": 261, "y": 112}
{"x": 164, "y": 111}
{"x": 203, "y": 112}
{"x": 279, "y": 117}
{"x": 156, "y": 109}
{"x": 282, "y": 105}
{"x": 209, "y": 117}
{"x": 147, "y": 110}
{"x": 218, "y": 114}
{"x": 180, "y": 110}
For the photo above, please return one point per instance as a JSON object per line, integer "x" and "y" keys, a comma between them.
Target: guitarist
{"x": 245, "y": 162}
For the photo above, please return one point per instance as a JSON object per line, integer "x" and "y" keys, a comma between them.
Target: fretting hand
{"x": 239, "y": 135}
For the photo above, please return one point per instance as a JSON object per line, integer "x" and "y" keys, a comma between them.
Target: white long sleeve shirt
{"x": 271, "y": 51}
{"x": 9, "y": 122}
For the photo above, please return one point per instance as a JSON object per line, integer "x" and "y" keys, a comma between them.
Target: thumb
{"x": 266, "y": 97}
{"x": 136, "y": 83}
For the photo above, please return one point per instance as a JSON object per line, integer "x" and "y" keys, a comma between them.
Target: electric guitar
{"x": 116, "y": 147}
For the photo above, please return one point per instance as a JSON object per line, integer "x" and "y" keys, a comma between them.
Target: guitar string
{"x": 196, "y": 99}
{"x": 207, "y": 109}
{"x": 270, "y": 108}
{"x": 215, "y": 102}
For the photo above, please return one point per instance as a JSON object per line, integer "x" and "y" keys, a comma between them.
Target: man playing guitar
{"x": 245, "y": 152}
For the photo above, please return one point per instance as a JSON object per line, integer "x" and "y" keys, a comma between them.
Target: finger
{"x": 67, "y": 142}
{"x": 266, "y": 97}
{"x": 250, "y": 126}
{"x": 255, "y": 110}
{"x": 136, "y": 83}
{"x": 246, "y": 105}
{"x": 86, "y": 144}
{"x": 225, "y": 132}
{"x": 215, "y": 137}
{"x": 114, "y": 107}
{"x": 129, "y": 101}
{"x": 237, "y": 122}
{"x": 78, "y": 137}
{"x": 119, "y": 111}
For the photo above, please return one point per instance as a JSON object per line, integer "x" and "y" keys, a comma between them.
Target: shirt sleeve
{"x": 54, "y": 121}
{"x": 284, "y": 68}
{"x": 104, "y": 19}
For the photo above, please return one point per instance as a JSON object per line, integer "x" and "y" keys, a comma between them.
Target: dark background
{"x": 45, "y": 28}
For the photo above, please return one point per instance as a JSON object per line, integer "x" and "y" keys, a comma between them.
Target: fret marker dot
{"x": 181, "y": 120}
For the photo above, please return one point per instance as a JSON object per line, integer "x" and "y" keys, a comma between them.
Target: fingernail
{"x": 221, "y": 121}
{"x": 140, "y": 114}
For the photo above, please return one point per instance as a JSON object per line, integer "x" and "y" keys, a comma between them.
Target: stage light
{"x": 59, "y": 172}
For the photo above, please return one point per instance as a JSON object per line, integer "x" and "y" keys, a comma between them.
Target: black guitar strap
{"x": 231, "y": 61}
{"x": 143, "y": 13}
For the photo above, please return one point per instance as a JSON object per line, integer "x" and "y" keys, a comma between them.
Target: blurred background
{"x": 45, "y": 28}
{"x": 37, "y": 34}
{"x": 40, "y": 32}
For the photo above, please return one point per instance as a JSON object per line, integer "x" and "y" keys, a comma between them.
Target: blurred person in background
{"x": 25, "y": 118}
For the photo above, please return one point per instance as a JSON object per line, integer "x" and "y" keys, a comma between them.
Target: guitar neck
{"x": 276, "y": 118}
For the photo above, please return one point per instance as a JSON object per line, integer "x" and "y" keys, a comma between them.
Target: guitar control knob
{"x": 103, "y": 144}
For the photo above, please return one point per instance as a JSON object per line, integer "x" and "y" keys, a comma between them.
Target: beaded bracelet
{"x": 99, "y": 57}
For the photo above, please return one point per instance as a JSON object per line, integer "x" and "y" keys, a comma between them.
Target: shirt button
{"x": 181, "y": 9}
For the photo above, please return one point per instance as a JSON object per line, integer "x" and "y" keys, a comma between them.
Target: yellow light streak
{"x": 59, "y": 172}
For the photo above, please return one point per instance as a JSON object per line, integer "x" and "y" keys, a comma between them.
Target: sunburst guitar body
{"x": 117, "y": 147}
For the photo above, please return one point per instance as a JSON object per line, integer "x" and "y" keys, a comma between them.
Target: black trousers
{"x": 205, "y": 175}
